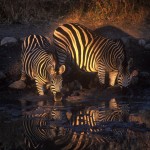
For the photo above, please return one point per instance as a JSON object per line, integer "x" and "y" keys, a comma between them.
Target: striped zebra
{"x": 92, "y": 53}
{"x": 39, "y": 65}
{"x": 80, "y": 131}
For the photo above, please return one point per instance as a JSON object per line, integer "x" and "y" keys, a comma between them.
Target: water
{"x": 115, "y": 123}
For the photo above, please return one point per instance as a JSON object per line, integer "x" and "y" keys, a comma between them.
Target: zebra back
{"x": 36, "y": 41}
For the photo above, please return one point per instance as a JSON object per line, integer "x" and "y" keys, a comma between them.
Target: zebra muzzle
{"x": 58, "y": 96}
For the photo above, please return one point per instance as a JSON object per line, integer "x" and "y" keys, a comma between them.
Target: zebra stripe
{"x": 40, "y": 65}
{"x": 92, "y": 53}
{"x": 33, "y": 41}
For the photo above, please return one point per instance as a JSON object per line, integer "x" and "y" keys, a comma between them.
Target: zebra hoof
{"x": 17, "y": 85}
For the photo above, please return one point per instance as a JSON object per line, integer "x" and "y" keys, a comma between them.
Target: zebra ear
{"x": 51, "y": 70}
{"x": 62, "y": 69}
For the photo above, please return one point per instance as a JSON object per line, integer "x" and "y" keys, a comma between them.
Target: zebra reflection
{"x": 73, "y": 128}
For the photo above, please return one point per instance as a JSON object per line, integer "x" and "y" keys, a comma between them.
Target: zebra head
{"x": 124, "y": 75}
{"x": 55, "y": 82}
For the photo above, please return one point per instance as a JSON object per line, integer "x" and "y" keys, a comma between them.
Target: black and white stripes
{"x": 40, "y": 65}
{"x": 92, "y": 53}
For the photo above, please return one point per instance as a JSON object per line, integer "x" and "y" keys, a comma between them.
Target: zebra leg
{"x": 101, "y": 76}
{"x": 112, "y": 77}
{"x": 40, "y": 87}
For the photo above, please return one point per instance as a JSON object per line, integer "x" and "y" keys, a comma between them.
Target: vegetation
{"x": 114, "y": 11}
{"x": 28, "y": 11}
{"x": 95, "y": 10}
{"x": 31, "y": 10}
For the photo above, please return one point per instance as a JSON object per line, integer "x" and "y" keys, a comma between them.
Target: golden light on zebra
{"x": 93, "y": 53}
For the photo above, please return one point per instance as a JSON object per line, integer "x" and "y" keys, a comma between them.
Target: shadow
{"x": 111, "y": 32}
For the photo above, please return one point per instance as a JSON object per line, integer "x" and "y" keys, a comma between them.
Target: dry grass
{"x": 97, "y": 13}
{"x": 30, "y": 10}
{"x": 124, "y": 14}
{"x": 94, "y": 11}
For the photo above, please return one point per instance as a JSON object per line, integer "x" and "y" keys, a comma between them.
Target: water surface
{"x": 112, "y": 123}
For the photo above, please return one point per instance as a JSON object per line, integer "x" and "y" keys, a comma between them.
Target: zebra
{"x": 93, "y": 53}
{"x": 82, "y": 130}
{"x": 40, "y": 65}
